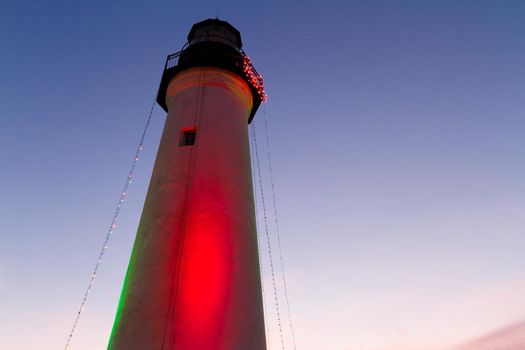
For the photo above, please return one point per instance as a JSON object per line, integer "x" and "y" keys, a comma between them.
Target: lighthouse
{"x": 193, "y": 280}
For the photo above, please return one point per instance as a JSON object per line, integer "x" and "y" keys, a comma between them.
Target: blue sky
{"x": 397, "y": 132}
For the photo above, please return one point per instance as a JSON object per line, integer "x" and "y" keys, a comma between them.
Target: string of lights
{"x": 290, "y": 323}
{"x": 268, "y": 240}
{"x": 112, "y": 227}
{"x": 259, "y": 247}
{"x": 254, "y": 78}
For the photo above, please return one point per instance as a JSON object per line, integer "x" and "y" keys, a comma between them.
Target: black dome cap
{"x": 215, "y": 23}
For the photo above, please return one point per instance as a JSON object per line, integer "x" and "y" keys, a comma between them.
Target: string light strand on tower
{"x": 112, "y": 226}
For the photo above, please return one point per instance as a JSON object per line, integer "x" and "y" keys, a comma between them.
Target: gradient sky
{"x": 398, "y": 141}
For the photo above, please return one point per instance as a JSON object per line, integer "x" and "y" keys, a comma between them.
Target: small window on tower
{"x": 188, "y": 137}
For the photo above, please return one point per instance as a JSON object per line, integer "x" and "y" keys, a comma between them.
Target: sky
{"x": 397, "y": 139}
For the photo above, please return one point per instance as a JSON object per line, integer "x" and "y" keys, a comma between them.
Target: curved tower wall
{"x": 193, "y": 281}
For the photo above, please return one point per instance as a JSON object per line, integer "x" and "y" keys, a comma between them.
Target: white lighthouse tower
{"x": 193, "y": 281}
